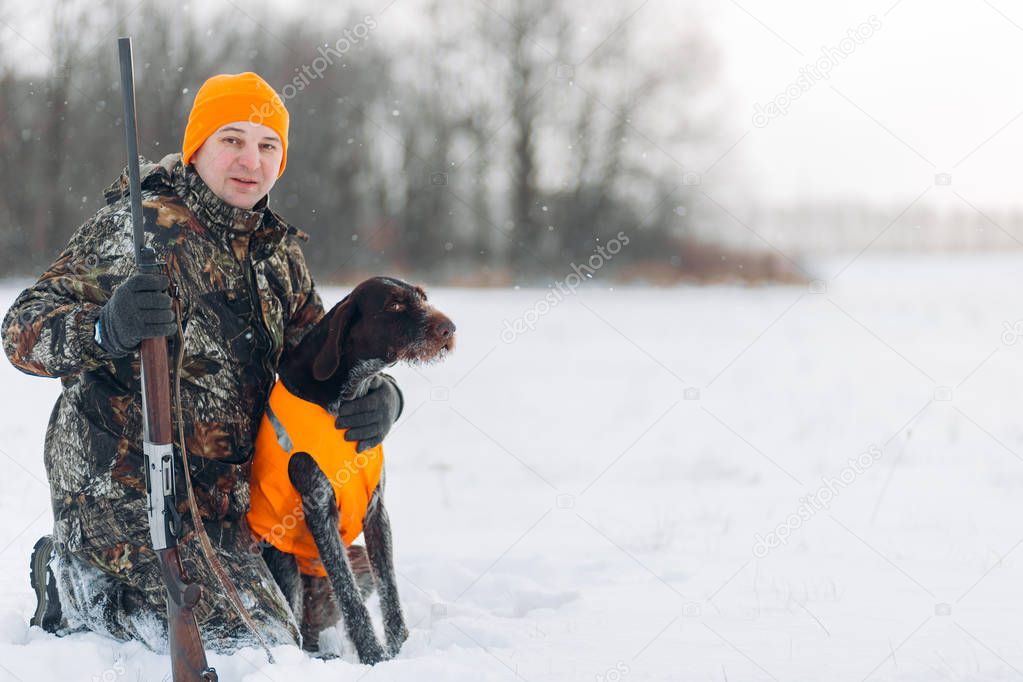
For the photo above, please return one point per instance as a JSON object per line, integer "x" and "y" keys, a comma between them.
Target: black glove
{"x": 140, "y": 308}
{"x": 369, "y": 418}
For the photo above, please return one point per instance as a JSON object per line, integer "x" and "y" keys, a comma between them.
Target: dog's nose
{"x": 444, "y": 328}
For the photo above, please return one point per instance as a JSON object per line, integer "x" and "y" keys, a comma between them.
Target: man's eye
{"x": 269, "y": 147}
{"x": 230, "y": 140}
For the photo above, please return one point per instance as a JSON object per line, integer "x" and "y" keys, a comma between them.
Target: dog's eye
{"x": 395, "y": 307}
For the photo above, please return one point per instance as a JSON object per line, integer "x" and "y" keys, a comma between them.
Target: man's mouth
{"x": 245, "y": 182}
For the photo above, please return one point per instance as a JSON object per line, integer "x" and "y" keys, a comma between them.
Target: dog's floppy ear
{"x": 329, "y": 357}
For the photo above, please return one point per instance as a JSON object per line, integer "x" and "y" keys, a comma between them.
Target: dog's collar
{"x": 356, "y": 386}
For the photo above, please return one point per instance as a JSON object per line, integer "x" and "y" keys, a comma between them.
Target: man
{"x": 244, "y": 298}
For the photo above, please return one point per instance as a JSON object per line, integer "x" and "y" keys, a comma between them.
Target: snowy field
{"x": 655, "y": 484}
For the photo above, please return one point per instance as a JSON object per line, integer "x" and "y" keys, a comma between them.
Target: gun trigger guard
{"x": 174, "y": 525}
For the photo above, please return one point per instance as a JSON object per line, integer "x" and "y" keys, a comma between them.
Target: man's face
{"x": 239, "y": 162}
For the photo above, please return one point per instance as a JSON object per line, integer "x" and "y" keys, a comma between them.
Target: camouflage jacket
{"x": 246, "y": 298}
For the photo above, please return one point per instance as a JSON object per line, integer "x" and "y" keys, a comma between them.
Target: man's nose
{"x": 249, "y": 157}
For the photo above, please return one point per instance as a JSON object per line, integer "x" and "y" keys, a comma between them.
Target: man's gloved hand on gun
{"x": 140, "y": 308}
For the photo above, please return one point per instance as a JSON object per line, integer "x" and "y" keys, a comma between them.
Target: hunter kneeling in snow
{"x": 244, "y": 298}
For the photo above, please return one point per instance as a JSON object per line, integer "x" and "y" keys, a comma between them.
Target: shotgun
{"x": 188, "y": 658}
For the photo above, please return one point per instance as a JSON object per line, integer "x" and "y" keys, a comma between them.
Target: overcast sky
{"x": 932, "y": 90}
{"x": 935, "y": 89}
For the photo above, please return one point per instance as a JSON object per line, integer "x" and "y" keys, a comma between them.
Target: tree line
{"x": 487, "y": 143}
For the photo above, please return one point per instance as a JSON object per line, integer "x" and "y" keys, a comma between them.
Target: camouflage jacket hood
{"x": 246, "y": 298}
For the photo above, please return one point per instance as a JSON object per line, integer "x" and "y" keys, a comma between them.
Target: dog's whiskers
{"x": 423, "y": 352}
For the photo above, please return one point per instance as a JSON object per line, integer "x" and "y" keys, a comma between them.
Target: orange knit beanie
{"x": 232, "y": 97}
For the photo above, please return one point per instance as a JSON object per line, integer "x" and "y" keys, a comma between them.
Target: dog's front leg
{"x": 321, "y": 516}
{"x": 377, "y": 530}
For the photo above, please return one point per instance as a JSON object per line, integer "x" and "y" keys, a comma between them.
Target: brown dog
{"x": 308, "y": 482}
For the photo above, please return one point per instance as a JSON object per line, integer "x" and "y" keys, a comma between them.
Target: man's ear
{"x": 329, "y": 357}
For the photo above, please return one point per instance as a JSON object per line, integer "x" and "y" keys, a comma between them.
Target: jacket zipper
{"x": 260, "y": 323}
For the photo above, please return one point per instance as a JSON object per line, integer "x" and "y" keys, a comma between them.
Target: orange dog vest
{"x": 290, "y": 425}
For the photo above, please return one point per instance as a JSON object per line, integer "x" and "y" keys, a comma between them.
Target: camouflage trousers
{"x": 132, "y": 605}
{"x": 126, "y": 598}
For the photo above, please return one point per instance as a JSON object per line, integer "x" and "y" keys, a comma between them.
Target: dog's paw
{"x": 302, "y": 471}
{"x": 395, "y": 639}
{"x": 371, "y": 653}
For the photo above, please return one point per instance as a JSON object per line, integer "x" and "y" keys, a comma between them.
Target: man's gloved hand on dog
{"x": 140, "y": 308}
{"x": 369, "y": 418}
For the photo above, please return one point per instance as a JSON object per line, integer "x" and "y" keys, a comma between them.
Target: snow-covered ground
{"x": 594, "y": 499}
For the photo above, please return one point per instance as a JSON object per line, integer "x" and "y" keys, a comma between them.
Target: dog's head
{"x": 383, "y": 319}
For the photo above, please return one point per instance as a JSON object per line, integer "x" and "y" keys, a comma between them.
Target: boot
{"x": 47, "y": 614}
